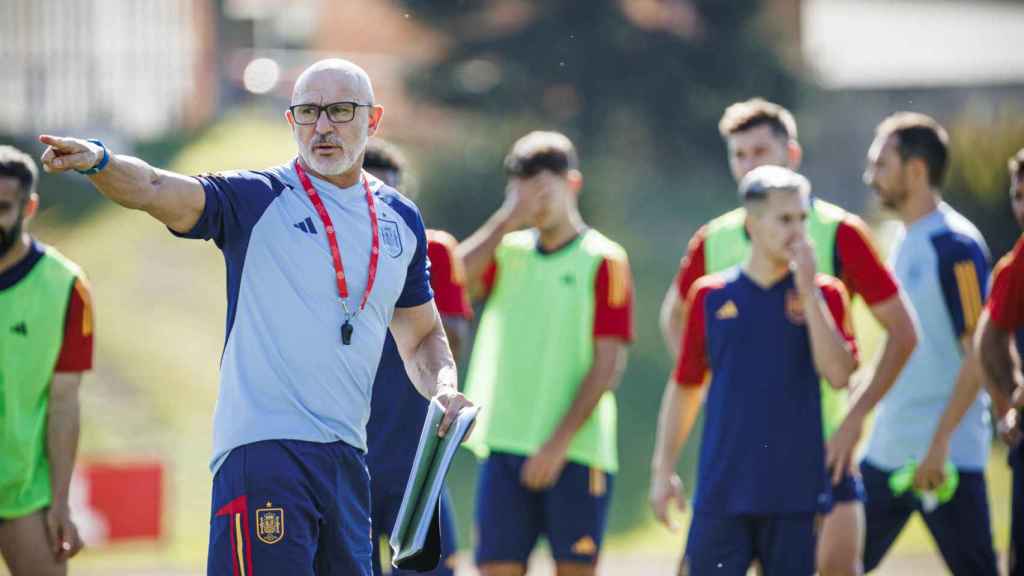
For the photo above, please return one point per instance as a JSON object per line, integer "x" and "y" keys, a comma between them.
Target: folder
{"x": 416, "y": 538}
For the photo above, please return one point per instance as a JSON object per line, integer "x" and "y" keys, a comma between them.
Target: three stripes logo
{"x": 20, "y": 328}
{"x": 306, "y": 226}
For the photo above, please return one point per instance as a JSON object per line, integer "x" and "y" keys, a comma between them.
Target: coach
{"x": 321, "y": 260}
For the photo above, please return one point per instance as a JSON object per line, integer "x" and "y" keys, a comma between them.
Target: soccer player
{"x": 1001, "y": 323}
{"x": 45, "y": 346}
{"x": 549, "y": 351}
{"x": 397, "y": 410}
{"x": 322, "y": 260}
{"x": 936, "y": 411}
{"x": 758, "y": 339}
{"x": 758, "y": 133}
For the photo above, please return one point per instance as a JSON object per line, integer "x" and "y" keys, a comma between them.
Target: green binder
{"x": 416, "y": 538}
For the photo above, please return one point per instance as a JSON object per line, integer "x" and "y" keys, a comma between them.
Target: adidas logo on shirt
{"x": 306, "y": 226}
{"x": 20, "y": 328}
{"x": 727, "y": 311}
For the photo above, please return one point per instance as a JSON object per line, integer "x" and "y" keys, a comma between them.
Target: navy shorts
{"x": 726, "y": 545}
{"x": 960, "y": 527}
{"x": 1016, "y": 552}
{"x": 291, "y": 507}
{"x": 849, "y": 489}
{"x": 510, "y": 518}
{"x": 385, "y": 511}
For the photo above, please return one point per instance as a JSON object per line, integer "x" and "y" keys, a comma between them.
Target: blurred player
{"x": 322, "y": 261}
{"x": 936, "y": 411}
{"x": 45, "y": 346}
{"x": 1000, "y": 328}
{"x": 759, "y": 133}
{"x": 764, "y": 333}
{"x": 397, "y": 410}
{"x": 549, "y": 351}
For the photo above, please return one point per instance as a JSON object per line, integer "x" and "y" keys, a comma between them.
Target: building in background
{"x": 137, "y": 68}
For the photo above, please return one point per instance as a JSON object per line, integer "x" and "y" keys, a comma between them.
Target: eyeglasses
{"x": 337, "y": 112}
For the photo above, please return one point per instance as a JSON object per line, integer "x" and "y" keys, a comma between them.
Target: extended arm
{"x": 171, "y": 198}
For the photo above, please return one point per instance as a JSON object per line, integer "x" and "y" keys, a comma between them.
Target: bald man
{"x": 322, "y": 260}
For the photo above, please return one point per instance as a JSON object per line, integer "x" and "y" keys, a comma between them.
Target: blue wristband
{"x": 99, "y": 165}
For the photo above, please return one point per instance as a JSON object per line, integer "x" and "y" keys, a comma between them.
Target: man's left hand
{"x": 453, "y": 401}
{"x": 542, "y": 470}
{"x": 931, "y": 472}
{"x": 64, "y": 539}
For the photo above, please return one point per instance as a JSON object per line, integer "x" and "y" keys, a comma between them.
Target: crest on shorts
{"x": 390, "y": 238}
{"x": 794, "y": 308}
{"x": 270, "y": 524}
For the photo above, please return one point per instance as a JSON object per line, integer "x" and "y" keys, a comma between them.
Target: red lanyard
{"x": 332, "y": 239}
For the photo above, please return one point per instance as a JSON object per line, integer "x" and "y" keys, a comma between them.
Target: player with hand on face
{"x": 758, "y": 339}
{"x": 761, "y": 133}
{"x": 549, "y": 351}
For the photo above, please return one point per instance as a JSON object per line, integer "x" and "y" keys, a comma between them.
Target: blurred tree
{"x": 665, "y": 68}
{"x": 978, "y": 183}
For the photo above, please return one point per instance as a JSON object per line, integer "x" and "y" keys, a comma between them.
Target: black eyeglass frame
{"x": 322, "y": 109}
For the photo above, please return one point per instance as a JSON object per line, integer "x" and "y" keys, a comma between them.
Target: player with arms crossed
{"x": 758, "y": 133}
{"x": 1000, "y": 328}
{"x": 765, "y": 333}
{"x": 322, "y": 260}
{"x": 549, "y": 351}
{"x": 936, "y": 411}
{"x": 397, "y": 410}
{"x": 45, "y": 346}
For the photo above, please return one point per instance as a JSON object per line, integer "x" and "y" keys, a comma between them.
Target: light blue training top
{"x": 943, "y": 263}
{"x": 285, "y": 373}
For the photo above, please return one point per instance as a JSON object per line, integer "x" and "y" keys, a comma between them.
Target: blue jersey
{"x": 942, "y": 263}
{"x": 285, "y": 373}
{"x": 762, "y": 451}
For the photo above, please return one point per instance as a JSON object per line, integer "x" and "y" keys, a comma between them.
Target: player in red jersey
{"x": 1000, "y": 328}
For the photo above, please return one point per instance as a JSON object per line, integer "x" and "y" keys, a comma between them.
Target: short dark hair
{"x": 18, "y": 165}
{"x": 383, "y": 155}
{"x": 1016, "y": 165}
{"x": 743, "y": 116}
{"x": 538, "y": 151}
{"x": 919, "y": 136}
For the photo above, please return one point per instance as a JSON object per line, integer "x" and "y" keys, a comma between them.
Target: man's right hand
{"x": 63, "y": 154}
{"x": 518, "y": 210}
{"x": 664, "y": 490}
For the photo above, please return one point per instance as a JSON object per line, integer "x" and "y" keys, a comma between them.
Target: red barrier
{"x": 121, "y": 500}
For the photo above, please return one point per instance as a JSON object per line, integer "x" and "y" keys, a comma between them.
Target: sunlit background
{"x": 201, "y": 85}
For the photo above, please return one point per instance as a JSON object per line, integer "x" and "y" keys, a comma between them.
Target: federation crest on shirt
{"x": 270, "y": 524}
{"x": 390, "y": 238}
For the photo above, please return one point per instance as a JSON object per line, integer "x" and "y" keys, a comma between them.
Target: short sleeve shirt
{"x": 284, "y": 371}
{"x": 942, "y": 263}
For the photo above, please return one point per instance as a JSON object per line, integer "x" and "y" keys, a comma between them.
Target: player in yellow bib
{"x": 45, "y": 345}
{"x": 758, "y": 133}
{"x": 549, "y": 350}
